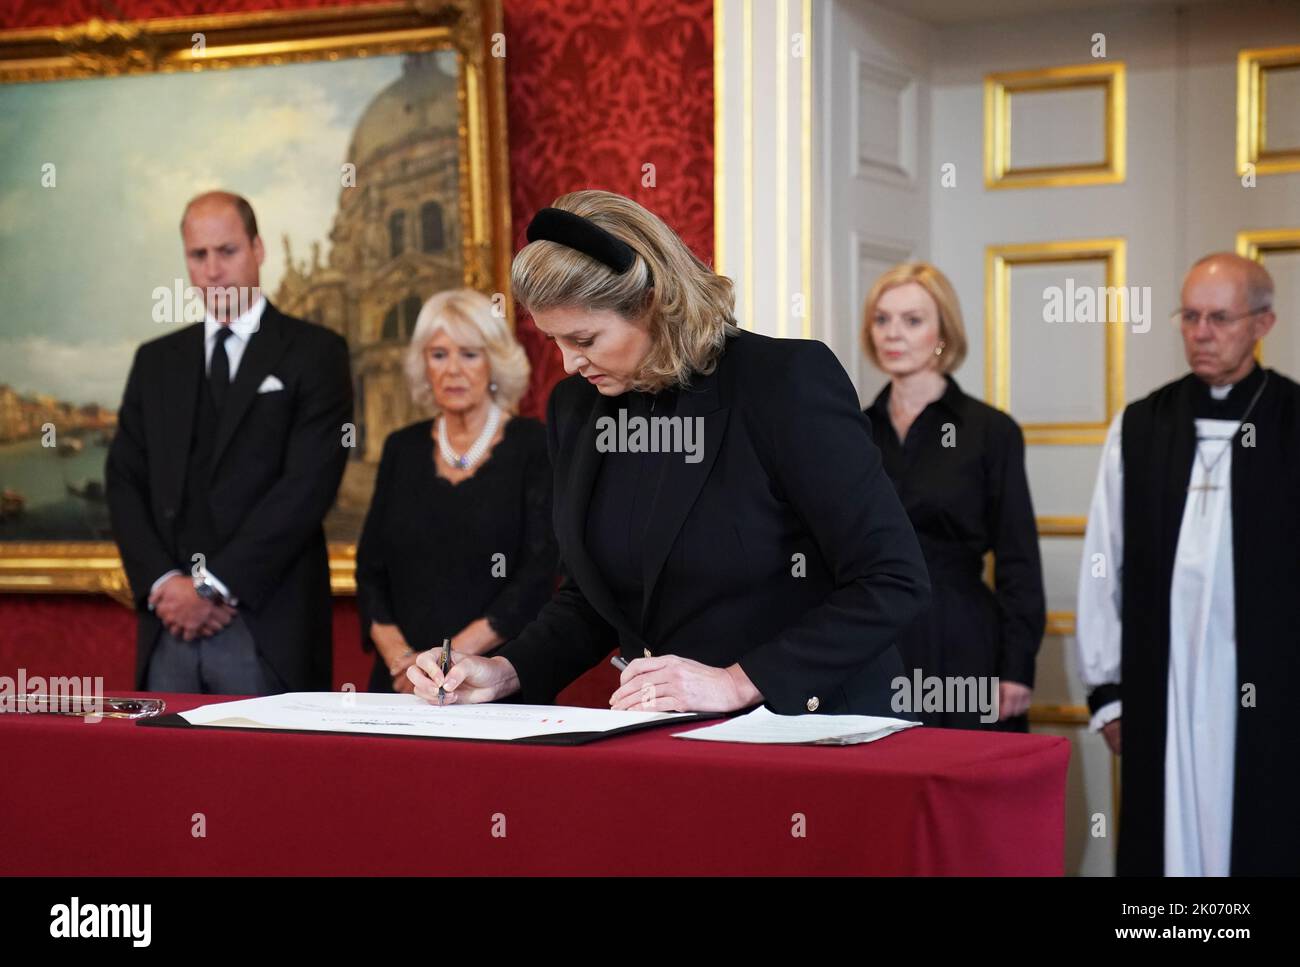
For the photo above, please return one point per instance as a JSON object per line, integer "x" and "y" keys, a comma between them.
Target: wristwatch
{"x": 204, "y": 587}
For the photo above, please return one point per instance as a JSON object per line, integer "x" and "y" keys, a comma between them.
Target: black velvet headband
{"x": 583, "y": 235}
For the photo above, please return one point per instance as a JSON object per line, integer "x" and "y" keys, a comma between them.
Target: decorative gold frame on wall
{"x": 1061, "y": 526}
{"x": 1252, "y": 111}
{"x": 98, "y": 48}
{"x": 1061, "y": 622}
{"x": 998, "y": 262}
{"x": 998, "y": 89}
{"x": 1256, "y": 243}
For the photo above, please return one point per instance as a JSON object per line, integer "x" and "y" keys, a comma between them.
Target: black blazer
{"x": 276, "y": 465}
{"x": 789, "y": 467}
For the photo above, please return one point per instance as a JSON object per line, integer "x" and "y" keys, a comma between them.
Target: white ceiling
{"x": 968, "y": 11}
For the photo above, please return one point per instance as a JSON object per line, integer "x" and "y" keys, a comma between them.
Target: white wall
{"x": 873, "y": 115}
{"x": 1181, "y": 198}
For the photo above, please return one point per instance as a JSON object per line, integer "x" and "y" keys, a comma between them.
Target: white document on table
{"x": 377, "y": 714}
{"x": 765, "y": 727}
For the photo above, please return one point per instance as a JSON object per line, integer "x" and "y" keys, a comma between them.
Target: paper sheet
{"x": 367, "y": 713}
{"x": 766, "y": 727}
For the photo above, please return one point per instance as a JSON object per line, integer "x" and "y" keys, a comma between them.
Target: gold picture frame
{"x": 222, "y": 42}
{"x": 1253, "y": 150}
{"x": 998, "y": 262}
{"x": 999, "y": 172}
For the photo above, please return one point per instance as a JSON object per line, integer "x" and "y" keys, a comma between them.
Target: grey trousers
{"x": 226, "y": 663}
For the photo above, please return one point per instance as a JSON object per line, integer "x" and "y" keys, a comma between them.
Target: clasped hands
{"x": 185, "y": 613}
{"x": 666, "y": 683}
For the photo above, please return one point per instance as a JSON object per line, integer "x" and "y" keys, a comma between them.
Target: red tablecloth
{"x": 114, "y": 798}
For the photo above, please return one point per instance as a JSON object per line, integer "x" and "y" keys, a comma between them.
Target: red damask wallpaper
{"x": 595, "y": 92}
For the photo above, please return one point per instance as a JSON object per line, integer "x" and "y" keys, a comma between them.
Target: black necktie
{"x": 219, "y": 369}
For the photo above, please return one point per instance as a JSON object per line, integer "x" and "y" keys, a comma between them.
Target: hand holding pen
{"x": 453, "y": 677}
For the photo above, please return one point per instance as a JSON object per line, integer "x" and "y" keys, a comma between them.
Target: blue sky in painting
{"x": 79, "y": 262}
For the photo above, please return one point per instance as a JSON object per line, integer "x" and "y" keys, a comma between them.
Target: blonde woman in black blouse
{"x": 959, "y": 467}
{"x": 765, "y": 559}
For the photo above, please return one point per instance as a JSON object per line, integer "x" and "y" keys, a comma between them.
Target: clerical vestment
{"x": 1189, "y": 625}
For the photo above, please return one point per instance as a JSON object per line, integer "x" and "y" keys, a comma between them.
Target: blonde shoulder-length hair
{"x": 469, "y": 318}
{"x": 951, "y": 329}
{"x": 689, "y": 309}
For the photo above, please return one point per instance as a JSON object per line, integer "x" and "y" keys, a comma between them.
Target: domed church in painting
{"x": 395, "y": 241}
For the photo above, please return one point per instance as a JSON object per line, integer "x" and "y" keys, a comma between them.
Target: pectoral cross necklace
{"x": 1208, "y": 468}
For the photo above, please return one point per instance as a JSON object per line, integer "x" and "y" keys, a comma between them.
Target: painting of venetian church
{"x": 394, "y": 242}
{"x": 353, "y": 167}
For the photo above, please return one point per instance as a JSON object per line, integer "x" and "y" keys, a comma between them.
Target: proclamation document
{"x": 366, "y": 713}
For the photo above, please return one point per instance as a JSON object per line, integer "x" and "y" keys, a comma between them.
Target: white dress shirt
{"x": 241, "y": 331}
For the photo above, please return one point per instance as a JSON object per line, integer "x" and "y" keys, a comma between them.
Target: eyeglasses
{"x": 1219, "y": 319}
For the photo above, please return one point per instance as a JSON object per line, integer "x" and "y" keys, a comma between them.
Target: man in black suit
{"x": 229, "y": 452}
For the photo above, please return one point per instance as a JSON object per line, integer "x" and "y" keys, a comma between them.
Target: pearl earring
{"x": 938, "y": 350}
{"x": 492, "y": 387}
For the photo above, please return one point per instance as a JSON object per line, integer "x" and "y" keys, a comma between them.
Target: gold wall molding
{"x": 1257, "y": 243}
{"x": 1047, "y": 714}
{"x": 1000, "y": 88}
{"x": 1253, "y": 148}
{"x": 999, "y": 260}
{"x": 1060, "y": 623}
{"x": 1061, "y": 526}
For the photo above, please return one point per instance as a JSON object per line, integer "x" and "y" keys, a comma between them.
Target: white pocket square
{"x": 270, "y": 385}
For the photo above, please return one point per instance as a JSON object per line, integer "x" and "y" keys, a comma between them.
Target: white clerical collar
{"x": 244, "y": 326}
{"x": 1221, "y": 392}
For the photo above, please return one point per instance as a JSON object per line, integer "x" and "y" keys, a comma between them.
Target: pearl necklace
{"x": 475, "y": 453}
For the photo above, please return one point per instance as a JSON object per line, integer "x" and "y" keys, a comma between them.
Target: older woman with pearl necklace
{"x": 457, "y": 545}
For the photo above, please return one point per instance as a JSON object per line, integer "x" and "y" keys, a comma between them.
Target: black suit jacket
{"x": 276, "y": 466}
{"x": 789, "y": 468}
